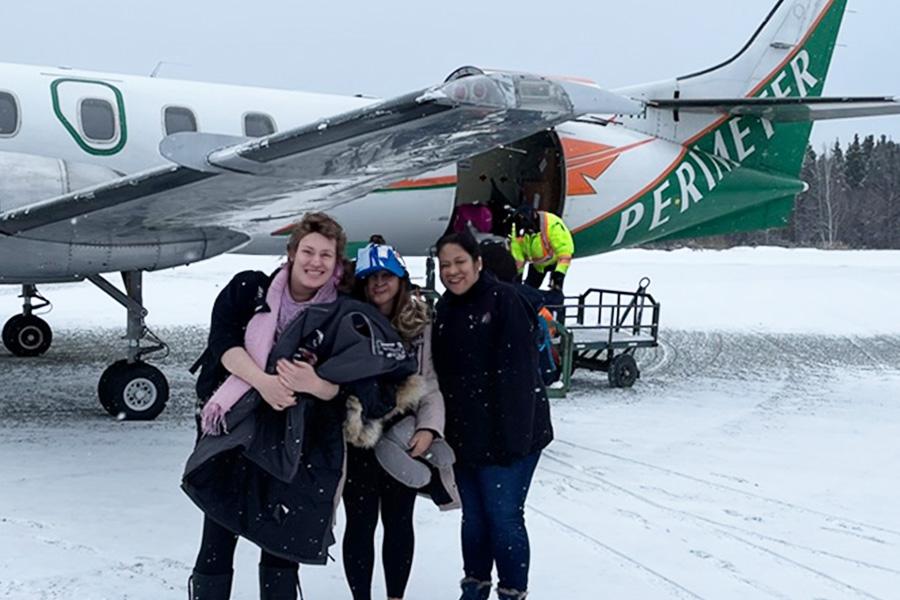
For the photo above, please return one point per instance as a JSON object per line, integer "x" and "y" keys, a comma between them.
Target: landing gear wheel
{"x": 135, "y": 391}
{"x": 27, "y": 335}
{"x": 623, "y": 371}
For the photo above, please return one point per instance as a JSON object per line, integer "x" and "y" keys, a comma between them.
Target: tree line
{"x": 853, "y": 201}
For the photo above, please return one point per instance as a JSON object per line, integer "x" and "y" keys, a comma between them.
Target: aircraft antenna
{"x": 155, "y": 72}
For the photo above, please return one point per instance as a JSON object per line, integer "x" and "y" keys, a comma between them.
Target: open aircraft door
{"x": 529, "y": 171}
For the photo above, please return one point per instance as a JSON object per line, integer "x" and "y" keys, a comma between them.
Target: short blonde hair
{"x": 322, "y": 224}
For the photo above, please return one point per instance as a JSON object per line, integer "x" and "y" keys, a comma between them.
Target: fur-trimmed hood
{"x": 365, "y": 433}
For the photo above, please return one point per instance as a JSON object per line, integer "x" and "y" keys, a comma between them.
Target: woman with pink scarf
{"x": 280, "y": 494}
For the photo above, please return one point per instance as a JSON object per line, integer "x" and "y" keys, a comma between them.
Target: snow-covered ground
{"x": 756, "y": 458}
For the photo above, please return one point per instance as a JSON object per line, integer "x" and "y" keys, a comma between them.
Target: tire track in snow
{"x": 677, "y": 587}
{"x": 751, "y": 355}
{"x": 722, "y": 530}
{"x": 723, "y": 564}
{"x": 723, "y": 486}
{"x": 600, "y": 482}
{"x": 666, "y": 355}
{"x": 876, "y": 362}
{"x": 72, "y": 585}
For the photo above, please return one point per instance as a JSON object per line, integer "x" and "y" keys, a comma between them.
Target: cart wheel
{"x": 623, "y": 371}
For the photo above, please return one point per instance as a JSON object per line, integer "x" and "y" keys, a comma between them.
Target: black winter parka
{"x": 486, "y": 360}
{"x": 275, "y": 477}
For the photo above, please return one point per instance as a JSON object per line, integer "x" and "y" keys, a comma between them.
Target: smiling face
{"x": 382, "y": 288}
{"x": 459, "y": 271}
{"x": 313, "y": 265}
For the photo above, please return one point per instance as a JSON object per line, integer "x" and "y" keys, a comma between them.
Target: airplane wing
{"x": 785, "y": 109}
{"x": 228, "y": 184}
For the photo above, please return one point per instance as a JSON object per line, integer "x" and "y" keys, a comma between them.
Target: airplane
{"x": 107, "y": 173}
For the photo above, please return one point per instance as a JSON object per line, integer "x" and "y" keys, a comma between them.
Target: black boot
{"x": 472, "y": 589}
{"x": 209, "y": 587}
{"x": 278, "y": 584}
{"x": 503, "y": 594}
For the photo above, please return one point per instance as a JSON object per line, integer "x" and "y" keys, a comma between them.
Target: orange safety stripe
{"x": 546, "y": 248}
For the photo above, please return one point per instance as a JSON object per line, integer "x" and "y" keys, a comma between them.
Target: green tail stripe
{"x": 768, "y": 216}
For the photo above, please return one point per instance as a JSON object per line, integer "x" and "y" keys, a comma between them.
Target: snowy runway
{"x": 746, "y": 463}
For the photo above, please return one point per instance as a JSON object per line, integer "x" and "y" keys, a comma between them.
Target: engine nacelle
{"x": 40, "y": 261}
{"x": 28, "y": 178}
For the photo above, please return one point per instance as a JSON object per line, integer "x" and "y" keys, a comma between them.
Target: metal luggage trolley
{"x": 600, "y": 331}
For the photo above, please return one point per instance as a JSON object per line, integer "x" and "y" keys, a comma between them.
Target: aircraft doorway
{"x": 529, "y": 171}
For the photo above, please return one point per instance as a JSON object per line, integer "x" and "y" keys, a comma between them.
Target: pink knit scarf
{"x": 258, "y": 342}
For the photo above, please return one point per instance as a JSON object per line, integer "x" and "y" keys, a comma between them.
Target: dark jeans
{"x": 493, "y": 520}
{"x": 369, "y": 489}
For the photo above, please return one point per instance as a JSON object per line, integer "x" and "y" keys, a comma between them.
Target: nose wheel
{"x": 129, "y": 389}
{"x": 27, "y": 334}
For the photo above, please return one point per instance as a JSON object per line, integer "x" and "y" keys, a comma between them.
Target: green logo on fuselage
{"x": 82, "y": 142}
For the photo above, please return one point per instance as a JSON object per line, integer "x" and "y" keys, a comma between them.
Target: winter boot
{"x": 472, "y": 589}
{"x": 278, "y": 584}
{"x": 503, "y": 594}
{"x": 209, "y": 587}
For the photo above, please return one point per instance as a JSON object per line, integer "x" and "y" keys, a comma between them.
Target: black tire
{"x": 133, "y": 391}
{"x": 623, "y": 371}
{"x": 107, "y": 401}
{"x": 27, "y": 335}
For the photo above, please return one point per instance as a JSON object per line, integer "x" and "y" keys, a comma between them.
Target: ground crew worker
{"x": 543, "y": 241}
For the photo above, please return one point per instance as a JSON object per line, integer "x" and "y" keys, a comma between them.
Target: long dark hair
{"x": 410, "y": 314}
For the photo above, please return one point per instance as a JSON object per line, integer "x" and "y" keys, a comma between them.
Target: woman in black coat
{"x": 284, "y": 353}
{"x": 498, "y": 417}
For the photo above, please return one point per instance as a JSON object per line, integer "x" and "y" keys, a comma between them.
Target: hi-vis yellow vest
{"x": 552, "y": 246}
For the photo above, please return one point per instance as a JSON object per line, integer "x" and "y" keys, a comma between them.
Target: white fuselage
{"x": 617, "y": 187}
{"x": 51, "y": 129}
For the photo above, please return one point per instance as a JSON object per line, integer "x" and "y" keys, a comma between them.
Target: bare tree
{"x": 831, "y": 195}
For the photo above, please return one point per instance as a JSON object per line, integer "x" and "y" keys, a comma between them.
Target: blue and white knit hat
{"x": 379, "y": 257}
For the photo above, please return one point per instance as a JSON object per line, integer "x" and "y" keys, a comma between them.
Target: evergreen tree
{"x": 802, "y": 228}
{"x": 856, "y": 164}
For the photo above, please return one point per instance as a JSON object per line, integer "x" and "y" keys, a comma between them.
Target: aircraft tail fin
{"x": 788, "y": 57}
{"x": 807, "y": 29}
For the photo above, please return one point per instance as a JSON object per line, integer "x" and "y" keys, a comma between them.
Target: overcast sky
{"x": 390, "y": 47}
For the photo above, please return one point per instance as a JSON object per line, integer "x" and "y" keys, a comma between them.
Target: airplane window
{"x": 258, "y": 125}
{"x": 178, "y": 118}
{"x": 9, "y": 114}
{"x": 98, "y": 119}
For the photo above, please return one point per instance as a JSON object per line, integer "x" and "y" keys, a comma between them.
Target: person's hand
{"x": 275, "y": 393}
{"x": 556, "y": 280}
{"x": 302, "y": 377}
{"x": 420, "y": 442}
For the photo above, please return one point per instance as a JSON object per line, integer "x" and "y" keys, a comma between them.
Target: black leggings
{"x": 216, "y": 556}
{"x": 368, "y": 488}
